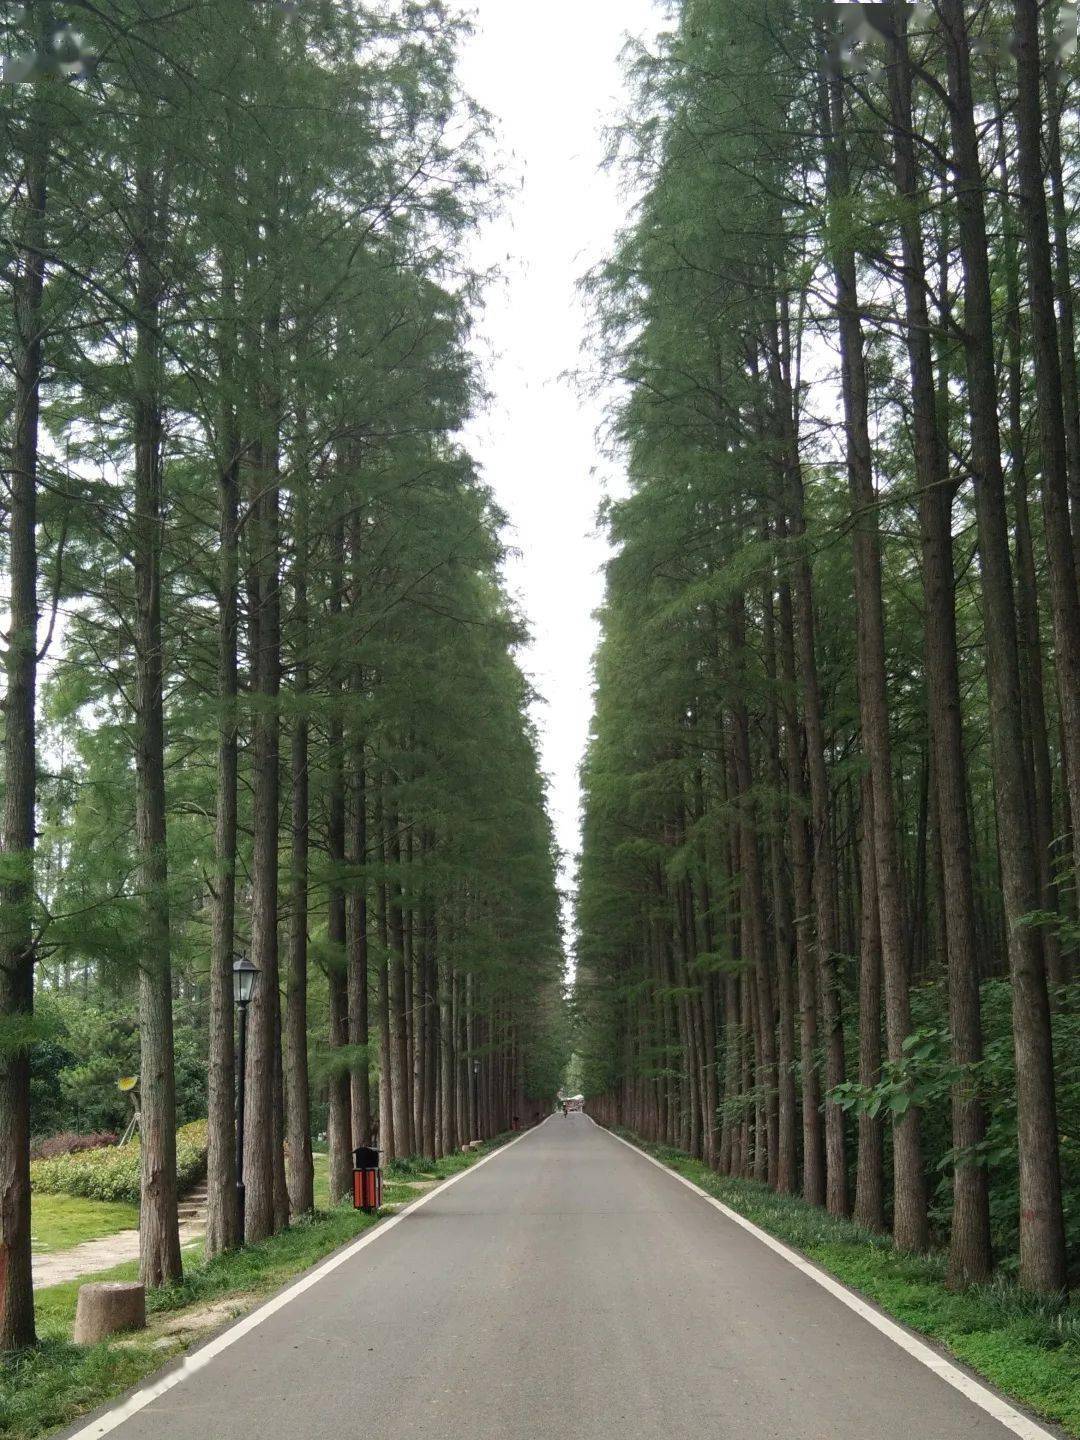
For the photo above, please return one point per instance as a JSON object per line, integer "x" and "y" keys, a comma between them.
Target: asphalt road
{"x": 565, "y": 1290}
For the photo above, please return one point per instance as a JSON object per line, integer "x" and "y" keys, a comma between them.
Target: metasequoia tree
{"x": 797, "y": 649}
{"x": 282, "y": 701}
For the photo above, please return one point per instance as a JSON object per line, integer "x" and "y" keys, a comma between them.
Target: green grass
{"x": 322, "y": 1180}
{"x": 1027, "y": 1347}
{"x": 51, "y": 1385}
{"x": 60, "y": 1221}
{"x": 396, "y": 1189}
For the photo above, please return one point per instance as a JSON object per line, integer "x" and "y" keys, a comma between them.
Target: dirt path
{"x": 93, "y": 1256}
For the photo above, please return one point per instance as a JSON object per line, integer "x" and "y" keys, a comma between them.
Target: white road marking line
{"x": 192, "y": 1364}
{"x": 978, "y": 1394}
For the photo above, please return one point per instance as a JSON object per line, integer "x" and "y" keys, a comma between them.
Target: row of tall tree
{"x": 829, "y": 886}
{"x": 261, "y": 692}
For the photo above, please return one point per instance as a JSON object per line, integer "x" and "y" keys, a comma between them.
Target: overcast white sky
{"x": 551, "y": 77}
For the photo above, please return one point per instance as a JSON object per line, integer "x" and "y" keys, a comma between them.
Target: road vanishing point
{"x": 567, "y": 1288}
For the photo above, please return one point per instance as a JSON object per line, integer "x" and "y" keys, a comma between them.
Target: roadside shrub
{"x": 112, "y": 1172}
{"x": 70, "y": 1143}
{"x": 406, "y": 1165}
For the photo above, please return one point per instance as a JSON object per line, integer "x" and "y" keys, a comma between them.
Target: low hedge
{"x": 112, "y": 1173}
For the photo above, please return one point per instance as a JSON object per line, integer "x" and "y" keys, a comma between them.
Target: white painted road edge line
{"x": 978, "y": 1394}
{"x": 192, "y": 1364}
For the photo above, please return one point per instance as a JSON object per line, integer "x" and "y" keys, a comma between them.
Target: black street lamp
{"x": 244, "y": 975}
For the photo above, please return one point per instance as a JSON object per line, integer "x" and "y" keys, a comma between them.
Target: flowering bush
{"x": 70, "y": 1143}
{"x": 112, "y": 1172}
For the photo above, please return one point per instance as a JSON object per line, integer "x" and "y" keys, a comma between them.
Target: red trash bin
{"x": 367, "y": 1179}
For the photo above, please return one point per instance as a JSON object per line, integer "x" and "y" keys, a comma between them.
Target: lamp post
{"x": 245, "y": 974}
{"x": 476, "y": 1097}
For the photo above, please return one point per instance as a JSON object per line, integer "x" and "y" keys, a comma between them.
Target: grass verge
{"x": 57, "y": 1381}
{"x": 1028, "y": 1348}
{"x": 61, "y": 1221}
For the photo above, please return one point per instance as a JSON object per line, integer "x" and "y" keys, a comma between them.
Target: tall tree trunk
{"x": 786, "y": 1172}
{"x": 969, "y": 1253}
{"x": 829, "y": 1185}
{"x": 159, "y": 1233}
{"x": 339, "y": 1117}
{"x": 1042, "y": 1257}
{"x": 753, "y": 900}
{"x": 1032, "y": 687}
{"x": 461, "y": 1104}
{"x": 415, "y": 1003}
{"x": 300, "y": 1164}
{"x": 431, "y": 1032}
{"x": 729, "y": 1154}
{"x": 262, "y": 1059}
{"x": 1064, "y": 596}
{"x": 870, "y": 1167}
{"x": 356, "y": 939}
{"x": 472, "y": 1062}
{"x": 399, "y": 1050}
{"x": 387, "y": 1139}
{"x": 813, "y": 1139}
{"x": 20, "y": 746}
{"x": 223, "y": 1216}
{"x": 709, "y": 982}
{"x": 1063, "y": 283}
{"x": 910, "y": 1223}
{"x": 356, "y": 942}
{"x": 447, "y": 1057}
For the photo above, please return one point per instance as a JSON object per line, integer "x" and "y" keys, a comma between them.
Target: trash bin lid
{"x": 366, "y": 1157}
